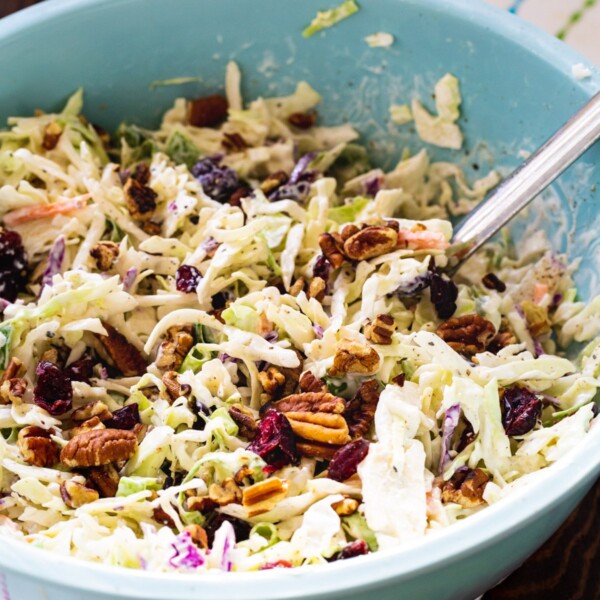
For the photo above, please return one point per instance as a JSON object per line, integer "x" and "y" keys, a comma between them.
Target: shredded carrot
{"x": 421, "y": 240}
{"x": 539, "y": 291}
{"x": 43, "y": 211}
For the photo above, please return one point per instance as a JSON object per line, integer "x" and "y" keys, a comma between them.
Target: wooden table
{"x": 567, "y": 567}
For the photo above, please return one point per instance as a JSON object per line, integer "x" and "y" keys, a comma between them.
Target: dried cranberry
{"x": 240, "y": 528}
{"x": 13, "y": 264}
{"x": 124, "y": 418}
{"x": 187, "y": 279}
{"x": 443, "y": 295}
{"x": 322, "y": 267}
{"x": 80, "y": 370}
{"x": 346, "y": 460}
{"x": 217, "y": 181}
{"x": 356, "y": 548}
{"x": 275, "y": 442}
{"x": 53, "y": 390}
{"x": 522, "y": 409}
{"x": 278, "y": 564}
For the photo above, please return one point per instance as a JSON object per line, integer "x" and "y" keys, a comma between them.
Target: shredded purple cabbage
{"x": 186, "y": 554}
{"x": 450, "y": 423}
{"x": 228, "y": 545}
{"x": 372, "y": 186}
{"x": 272, "y": 336}
{"x": 299, "y": 172}
{"x": 55, "y": 260}
{"x": 319, "y": 331}
{"x": 209, "y": 245}
{"x": 129, "y": 278}
{"x": 298, "y": 185}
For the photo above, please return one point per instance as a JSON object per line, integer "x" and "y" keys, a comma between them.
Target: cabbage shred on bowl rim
{"x": 230, "y": 343}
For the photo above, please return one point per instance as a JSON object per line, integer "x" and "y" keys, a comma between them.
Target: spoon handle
{"x": 527, "y": 181}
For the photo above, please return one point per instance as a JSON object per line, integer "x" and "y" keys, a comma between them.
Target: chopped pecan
{"x": 140, "y": 430}
{"x": 491, "y": 282}
{"x": 141, "y": 173}
{"x": 52, "y": 133}
{"x": 273, "y": 181}
{"x": 380, "y": 330}
{"x": 243, "y": 474}
{"x": 75, "y": 494}
{"x": 225, "y": 493}
{"x": 104, "y": 253}
{"x": 236, "y": 200}
{"x": 314, "y": 402}
{"x": 272, "y": 380}
{"x": 201, "y": 504}
{"x": 151, "y": 228}
{"x": 173, "y": 388}
{"x": 317, "y": 289}
{"x": 349, "y": 230}
{"x": 501, "y": 340}
{"x": 89, "y": 425}
{"x": 141, "y": 200}
{"x": 105, "y": 479}
{"x": 321, "y": 427}
{"x": 234, "y": 142}
{"x": 99, "y": 447}
{"x": 297, "y": 286}
{"x": 50, "y": 355}
{"x": 310, "y": 383}
{"x": 370, "y": 242}
{"x": 537, "y": 319}
{"x": 13, "y": 390}
{"x": 92, "y": 409}
{"x": 466, "y": 488}
{"x": 198, "y": 535}
{"x": 173, "y": 350}
{"x": 399, "y": 379}
{"x": 303, "y": 120}
{"x": 360, "y": 411}
{"x": 126, "y": 358}
{"x": 207, "y": 111}
{"x": 244, "y": 419}
{"x": 468, "y": 334}
{"x": 332, "y": 246}
{"x": 354, "y": 357}
{"x": 264, "y": 495}
{"x": 37, "y": 447}
{"x": 162, "y": 517}
{"x": 13, "y": 369}
{"x": 345, "y": 507}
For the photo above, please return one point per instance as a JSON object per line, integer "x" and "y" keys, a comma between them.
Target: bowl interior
{"x": 517, "y": 89}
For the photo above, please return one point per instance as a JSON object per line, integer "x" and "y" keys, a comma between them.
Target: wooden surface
{"x": 567, "y": 567}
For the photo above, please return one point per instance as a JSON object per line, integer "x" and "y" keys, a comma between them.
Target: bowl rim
{"x": 385, "y": 567}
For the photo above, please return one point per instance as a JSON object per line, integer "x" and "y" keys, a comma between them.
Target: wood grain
{"x": 567, "y": 566}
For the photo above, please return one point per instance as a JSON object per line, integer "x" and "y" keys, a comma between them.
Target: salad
{"x": 231, "y": 343}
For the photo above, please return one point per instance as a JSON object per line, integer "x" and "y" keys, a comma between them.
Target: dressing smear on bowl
{"x": 230, "y": 343}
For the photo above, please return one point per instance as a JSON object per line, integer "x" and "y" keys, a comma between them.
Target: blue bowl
{"x": 517, "y": 87}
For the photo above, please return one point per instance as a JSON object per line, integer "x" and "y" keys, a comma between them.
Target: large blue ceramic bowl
{"x": 517, "y": 86}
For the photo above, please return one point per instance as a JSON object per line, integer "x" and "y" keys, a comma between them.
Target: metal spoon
{"x": 525, "y": 183}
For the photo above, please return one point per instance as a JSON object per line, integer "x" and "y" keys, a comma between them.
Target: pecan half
{"x": 173, "y": 388}
{"x": 89, "y": 425}
{"x": 127, "y": 358}
{"x": 310, "y": 383}
{"x": 466, "y": 488}
{"x": 273, "y": 181}
{"x": 244, "y": 419}
{"x": 234, "y": 142}
{"x": 99, "y": 447}
{"x": 141, "y": 200}
{"x": 332, "y": 246}
{"x": 173, "y": 350}
{"x": 316, "y": 450}
{"x": 264, "y": 495}
{"x": 13, "y": 390}
{"x": 75, "y": 494}
{"x": 314, "y": 402}
{"x": 105, "y": 479}
{"x": 52, "y": 133}
{"x": 37, "y": 447}
{"x": 360, "y": 411}
{"x": 468, "y": 334}
{"x": 105, "y": 254}
{"x": 321, "y": 427}
{"x": 317, "y": 289}
{"x": 370, "y": 242}
{"x": 349, "y": 230}
{"x": 380, "y": 330}
{"x": 92, "y": 409}
{"x": 354, "y": 357}
{"x": 207, "y": 111}
{"x": 303, "y": 120}
{"x": 225, "y": 493}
